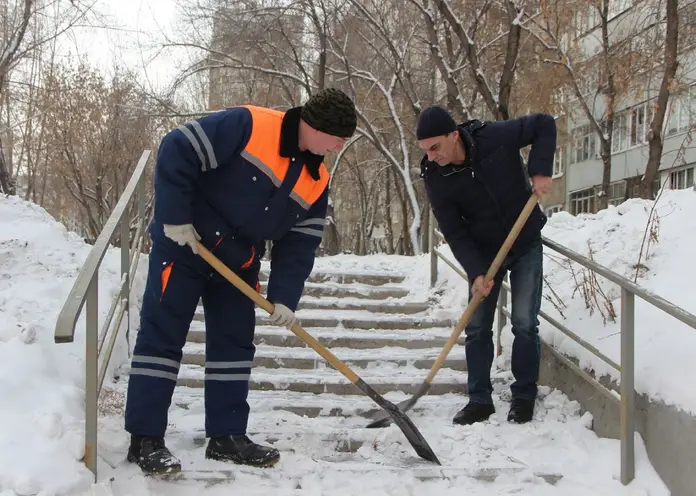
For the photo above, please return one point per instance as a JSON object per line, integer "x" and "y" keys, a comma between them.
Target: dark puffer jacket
{"x": 477, "y": 203}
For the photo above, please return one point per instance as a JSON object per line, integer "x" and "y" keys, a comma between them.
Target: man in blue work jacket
{"x": 477, "y": 186}
{"x": 231, "y": 180}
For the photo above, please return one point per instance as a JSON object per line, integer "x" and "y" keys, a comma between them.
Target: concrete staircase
{"x": 366, "y": 321}
{"x": 318, "y": 419}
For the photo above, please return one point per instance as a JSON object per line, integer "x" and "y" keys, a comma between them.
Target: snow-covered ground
{"x": 42, "y": 392}
{"x": 42, "y": 383}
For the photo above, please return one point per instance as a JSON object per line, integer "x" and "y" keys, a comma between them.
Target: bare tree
{"x": 21, "y": 18}
{"x": 491, "y": 36}
{"x": 95, "y": 132}
{"x": 655, "y": 142}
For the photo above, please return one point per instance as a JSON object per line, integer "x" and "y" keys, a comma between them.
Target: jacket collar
{"x": 289, "y": 139}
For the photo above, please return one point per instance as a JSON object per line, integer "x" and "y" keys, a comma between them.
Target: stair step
{"x": 350, "y": 291}
{"x": 307, "y": 358}
{"x": 318, "y": 381}
{"x": 334, "y": 339}
{"x": 371, "y": 278}
{"x": 289, "y": 362}
{"x": 374, "y": 322}
{"x": 325, "y": 405}
{"x": 311, "y": 303}
{"x": 337, "y": 388}
{"x": 347, "y": 304}
{"x": 423, "y": 474}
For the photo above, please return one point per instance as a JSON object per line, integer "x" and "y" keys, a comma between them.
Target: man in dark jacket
{"x": 231, "y": 180}
{"x": 477, "y": 186}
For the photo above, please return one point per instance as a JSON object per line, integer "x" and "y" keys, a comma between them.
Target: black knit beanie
{"x": 434, "y": 121}
{"x": 332, "y": 112}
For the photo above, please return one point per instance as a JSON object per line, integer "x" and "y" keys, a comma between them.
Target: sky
{"x": 139, "y": 28}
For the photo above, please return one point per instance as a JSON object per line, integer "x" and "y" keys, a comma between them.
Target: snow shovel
{"x": 400, "y": 418}
{"x": 381, "y": 420}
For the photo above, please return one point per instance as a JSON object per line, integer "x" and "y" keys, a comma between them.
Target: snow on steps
{"x": 351, "y": 319}
{"x": 337, "y": 451}
{"x": 307, "y": 358}
{"x": 344, "y": 338}
{"x": 316, "y": 418}
{"x": 370, "y": 278}
{"x": 356, "y": 290}
{"x": 327, "y": 380}
{"x": 391, "y": 350}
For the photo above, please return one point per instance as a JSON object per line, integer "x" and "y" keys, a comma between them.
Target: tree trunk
{"x": 7, "y": 185}
{"x": 655, "y": 143}
{"x": 388, "y": 226}
{"x": 332, "y": 245}
{"x": 603, "y": 195}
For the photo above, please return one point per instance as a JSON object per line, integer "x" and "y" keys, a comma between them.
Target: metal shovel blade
{"x": 413, "y": 435}
{"x": 383, "y": 419}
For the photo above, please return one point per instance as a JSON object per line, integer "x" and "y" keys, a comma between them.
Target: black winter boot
{"x": 521, "y": 411}
{"x": 474, "y": 412}
{"x": 152, "y": 456}
{"x": 240, "y": 449}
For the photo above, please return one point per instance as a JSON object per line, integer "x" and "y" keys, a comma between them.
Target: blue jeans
{"x": 526, "y": 279}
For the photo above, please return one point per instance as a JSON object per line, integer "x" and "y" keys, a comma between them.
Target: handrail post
{"x": 627, "y": 386}
{"x": 92, "y": 373}
{"x": 141, "y": 200}
{"x": 431, "y": 249}
{"x": 125, "y": 266}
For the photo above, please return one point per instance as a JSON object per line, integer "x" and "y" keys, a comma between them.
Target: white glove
{"x": 282, "y": 316}
{"x": 184, "y": 234}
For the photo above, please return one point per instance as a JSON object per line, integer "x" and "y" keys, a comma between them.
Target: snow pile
{"x": 613, "y": 238}
{"x": 42, "y": 383}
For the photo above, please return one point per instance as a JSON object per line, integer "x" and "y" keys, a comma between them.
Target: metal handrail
{"x": 629, "y": 290}
{"x": 542, "y": 314}
{"x": 86, "y": 290}
{"x": 655, "y": 300}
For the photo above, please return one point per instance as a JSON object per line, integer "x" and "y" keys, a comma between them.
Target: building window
{"x": 584, "y": 144}
{"x": 619, "y": 139}
{"x": 631, "y": 127}
{"x": 682, "y": 111}
{"x": 582, "y": 202}
{"x": 682, "y": 179}
{"x": 559, "y": 161}
{"x": 552, "y": 209}
{"x": 638, "y": 125}
{"x": 617, "y": 193}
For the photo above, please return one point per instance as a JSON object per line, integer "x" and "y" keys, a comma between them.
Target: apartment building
{"x": 245, "y": 37}
{"x": 578, "y": 166}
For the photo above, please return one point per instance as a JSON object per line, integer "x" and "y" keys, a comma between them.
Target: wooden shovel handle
{"x": 240, "y": 284}
{"x": 490, "y": 275}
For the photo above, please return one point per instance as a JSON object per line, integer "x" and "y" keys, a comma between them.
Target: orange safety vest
{"x": 262, "y": 151}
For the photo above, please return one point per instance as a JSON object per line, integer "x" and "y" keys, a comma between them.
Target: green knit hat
{"x": 332, "y": 112}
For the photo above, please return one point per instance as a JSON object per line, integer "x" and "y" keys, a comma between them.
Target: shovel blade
{"x": 413, "y": 435}
{"x": 384, "y": 418}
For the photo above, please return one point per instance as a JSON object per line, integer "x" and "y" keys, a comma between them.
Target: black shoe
{"x": 521, "y": 411}
{"x": 474, "y": 412}
{"x": 152, "y": 456}
{"x": 240, "y": 449}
